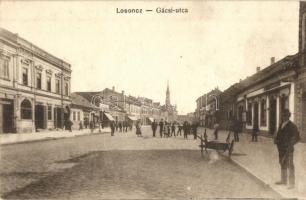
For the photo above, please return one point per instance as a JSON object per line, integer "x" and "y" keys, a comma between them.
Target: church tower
{"x": 168, "y": 96}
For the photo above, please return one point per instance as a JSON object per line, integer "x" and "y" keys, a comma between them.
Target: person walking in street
{"x": 180, "y": 127}
{"x": 287, "y": 136}
{"x": 138, "y": 129}
{"x": 154, "y": 127}
{"x": 120, "y": 126}
{"x": 185, "y": 130}
{"x": 161, "y": 128}
{"x": 112, "y": 126}
{"x": 194, "y": 130}
{"x": 173, "y": 129}
{"x": 235, "y": 127}
{"x": 91, "y": 126}
{"x": 216, "y": 127}
{"x": 255, "y": 132}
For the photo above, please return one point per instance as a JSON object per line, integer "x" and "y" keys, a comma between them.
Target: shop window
{"x": 49, "y": 83}
{"x": 263, "y": 113}
{"x": 38, "y": 80}
{"x": 57, "y": 86}
{"x": 4, "y": 68}
{"x": 249, "y": 114}
{"x": 25, "y": 75}
{"x": 49, "y": 113}
{"x": 26, "y": 109}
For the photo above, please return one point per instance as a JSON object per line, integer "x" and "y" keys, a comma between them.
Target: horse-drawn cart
{"x": 216, "y": 145}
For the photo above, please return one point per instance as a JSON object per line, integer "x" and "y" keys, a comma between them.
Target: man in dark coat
{"x": 161, "y": 128}
{"x": 287, "y": 136}
{"x": 112, "y": 126}
{"x": 154, "y": 127}
{"x": 173, "y": 129}
{"x": 185, "y": 130}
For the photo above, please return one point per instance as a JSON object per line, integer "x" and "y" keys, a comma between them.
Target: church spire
{"x": 168, "y": 95}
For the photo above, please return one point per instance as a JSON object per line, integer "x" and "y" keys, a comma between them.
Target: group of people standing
{"x": 123, "y": 126}
{"x": 169, "y": 129}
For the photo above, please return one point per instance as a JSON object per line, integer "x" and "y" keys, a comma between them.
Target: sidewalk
{"x": 14, "y": 138}
{"x": 261, "y": 160}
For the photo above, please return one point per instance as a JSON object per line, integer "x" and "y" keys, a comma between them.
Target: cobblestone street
{"x": 123, "y": 166}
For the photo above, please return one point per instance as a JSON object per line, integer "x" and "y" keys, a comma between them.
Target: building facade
{"x": 35, "y": 86}
{"x": 300, "y": 91}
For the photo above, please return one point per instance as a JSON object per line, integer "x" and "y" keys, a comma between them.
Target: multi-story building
{"x": 35, "y": 86}
{"x": 300, "y": 90}
{"x": 207, "y": 108}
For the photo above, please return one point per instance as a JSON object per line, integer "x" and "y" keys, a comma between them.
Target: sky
{"x": 215, "y": 44}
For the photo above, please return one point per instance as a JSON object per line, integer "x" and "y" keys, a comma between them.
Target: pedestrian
{"x": 116, "y": 125}
{"x": 161, "y": 128}
{"x": 112, "y": 126}
{"x": 91, "y": 126}
{"x": 287, "y": 136}
{"x": 255, "y": 132}
{"x": 173, "y": 129}
{"x": 216, "y": 130}
{"x": 120, "y": 126}
{"x": 154, "y": 127}
{"x": 138, "y": 129}
{"x": 168, "y": 129}
{"x": 126, "y": 126}
{"x": 80, "y": 125}
{"x": 180, "y": 127}
{"x": 185, "y": 130}
{"x": 86, "y": 122}
{"x": 235, "y": 127}
{"x": 195, "y": 130}
{"x": 123, "y": 126}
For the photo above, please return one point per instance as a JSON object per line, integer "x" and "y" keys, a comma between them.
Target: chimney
{"x": 272, "y": 60}
{"x": 122, "y": 92}
{"x": 113, "y": 88}
{"x": 257, "y": 69}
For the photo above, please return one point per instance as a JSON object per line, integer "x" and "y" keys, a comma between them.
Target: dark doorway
{"x": 39, "y": 116}
{"x": 58, "y": 118}
{"x": 272, "y": 116}
{"x": 256, "y": 113}
{"x": 8, "y": 117}
{"x": 240, "y": 113}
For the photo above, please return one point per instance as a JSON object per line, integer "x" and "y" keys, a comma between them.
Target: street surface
{"x": 122, "y": 167}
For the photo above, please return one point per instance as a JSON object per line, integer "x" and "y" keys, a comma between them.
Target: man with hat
{"x": 287, "y": 136}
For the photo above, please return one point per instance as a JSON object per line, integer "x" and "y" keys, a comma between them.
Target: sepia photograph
{"x": 136, "y": 99}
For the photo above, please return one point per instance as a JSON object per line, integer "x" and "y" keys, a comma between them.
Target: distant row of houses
{"x": 109, "y": 105}
{"x": 35, "y": 93}
{"x": 260, "y": 99}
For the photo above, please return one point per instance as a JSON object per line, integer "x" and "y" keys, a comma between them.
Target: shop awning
{"x": 132, "y": 118}
{"x": 109, "y": 117}
{"x": 151, "y": 119}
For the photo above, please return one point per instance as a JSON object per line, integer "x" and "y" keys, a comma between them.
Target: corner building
{"x": 34, "y": 87}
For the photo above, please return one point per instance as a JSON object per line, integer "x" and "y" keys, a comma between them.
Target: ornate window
{"x": 263, "y": 112}
{"x": 26, "y": 109}
{"x": 4, "y": 67}
{"x": 57, "y": 86}
{"x": 66, "y": 89}
{"x": 25, "y": 75}
{"x": 49, "y": 83}
{"x": 38, "y": 80}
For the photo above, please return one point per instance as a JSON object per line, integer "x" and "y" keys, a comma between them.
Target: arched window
{"x": 26, "y": 109}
